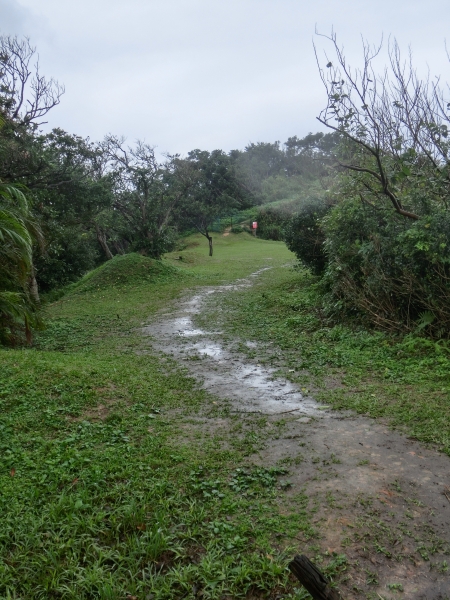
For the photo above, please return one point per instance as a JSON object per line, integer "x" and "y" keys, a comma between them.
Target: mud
{"x": 378, "y": 496}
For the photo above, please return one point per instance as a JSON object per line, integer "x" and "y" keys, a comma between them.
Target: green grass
{"x": 406, "y": 381}
{"x": 112, "y": 483}
{"x": 103, "y": 494}
{"x": 130, "y": 269}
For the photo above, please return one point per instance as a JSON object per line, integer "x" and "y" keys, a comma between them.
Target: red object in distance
{"x": 255, "y": 225}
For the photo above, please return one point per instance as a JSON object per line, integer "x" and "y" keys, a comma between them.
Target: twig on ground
{"x": 257, "y": 412}
{"x": 312, "y": 579}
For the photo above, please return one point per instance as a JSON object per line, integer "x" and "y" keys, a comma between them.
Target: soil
{"x": 376, "y": 496}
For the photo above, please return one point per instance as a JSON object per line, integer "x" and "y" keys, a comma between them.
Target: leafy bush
{"x": 305, "y": 237}
{"x": 394, "y": 271}
{"x": 271, "y": 222}
{"x": 69, "y": 254}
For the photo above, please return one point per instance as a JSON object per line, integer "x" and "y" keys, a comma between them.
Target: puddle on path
{"x": 249, "y": 386}
{"x": 346, "y": 455}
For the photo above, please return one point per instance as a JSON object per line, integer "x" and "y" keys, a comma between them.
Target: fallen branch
{"x": 259, "y": 412}
{"x": 312, "y": 579}
{"x": 446, "y": 493}
{"x": 285, "y": 412}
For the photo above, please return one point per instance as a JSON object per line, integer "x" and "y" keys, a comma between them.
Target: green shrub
{"x": 304, "y": 235}
{"x": 69, "y": 254}
{"x": 271, "y": 222}
{"x": 392, "y": 270}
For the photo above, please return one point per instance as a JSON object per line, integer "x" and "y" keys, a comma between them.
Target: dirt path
{"x": 377, "y": 496}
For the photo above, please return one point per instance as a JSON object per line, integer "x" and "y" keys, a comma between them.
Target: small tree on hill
{"x": 215, "y": 191}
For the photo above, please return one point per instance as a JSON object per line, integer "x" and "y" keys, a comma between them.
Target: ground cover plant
{"x": 103, "y": 495}
{"x": 405, "y": 379}
{"x": 114, "y": 481}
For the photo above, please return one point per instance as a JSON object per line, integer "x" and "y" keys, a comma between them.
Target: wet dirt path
{"x": 378, "y": 496}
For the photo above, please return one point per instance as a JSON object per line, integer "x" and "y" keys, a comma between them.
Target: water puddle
{"x": 250, "y": 387}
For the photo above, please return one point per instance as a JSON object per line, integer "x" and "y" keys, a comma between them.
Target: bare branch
{"x": 397, "y": 124}
{"x": 25, "y": 94}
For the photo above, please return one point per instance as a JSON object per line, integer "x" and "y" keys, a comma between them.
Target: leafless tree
{"x": 396, "y": 124}
{"x": 147, "y": 192}
{"x": 25, "y": 94}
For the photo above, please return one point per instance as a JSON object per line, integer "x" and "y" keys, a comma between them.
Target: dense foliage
{"x": 68, "y": 204}
{"x": 305, "y": 237}
{"x": 384, "y": 246}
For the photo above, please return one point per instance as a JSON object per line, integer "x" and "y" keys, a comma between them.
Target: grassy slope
{"x": 102, "y": 493}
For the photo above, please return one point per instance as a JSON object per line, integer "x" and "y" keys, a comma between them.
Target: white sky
{"x": 184, "y": 74}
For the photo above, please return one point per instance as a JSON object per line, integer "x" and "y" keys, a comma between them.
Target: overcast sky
{"x": 184, "y": 74}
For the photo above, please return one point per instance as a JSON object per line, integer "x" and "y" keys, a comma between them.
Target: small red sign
{"x": 255, "y": 225}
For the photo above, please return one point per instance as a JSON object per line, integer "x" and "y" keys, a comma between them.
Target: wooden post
{"x": 312, "y": 579}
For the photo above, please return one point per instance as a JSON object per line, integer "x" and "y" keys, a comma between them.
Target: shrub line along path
{"x": 378, "y": 496}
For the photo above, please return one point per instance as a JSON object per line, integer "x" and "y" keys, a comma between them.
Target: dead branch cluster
{"x": 26, "y": 94}
{"x": 390, "y": 121}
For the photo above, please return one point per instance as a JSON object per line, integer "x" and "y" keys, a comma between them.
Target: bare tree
{"x": 147, "y": 192}
{"x": 395, "y": 125}
{"x": 25, "y": 94}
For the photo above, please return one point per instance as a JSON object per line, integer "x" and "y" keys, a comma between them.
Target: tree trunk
{"x": 101, "y": 237}
{"x": 118, "y": 246}
{"x": 312, "y": 579}
{"x": 33, "y": 285}
{"x": 210, "y": 241}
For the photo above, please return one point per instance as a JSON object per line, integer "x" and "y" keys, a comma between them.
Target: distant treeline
{"x": 67, "y": 203}
{"x": 364, "y": 206}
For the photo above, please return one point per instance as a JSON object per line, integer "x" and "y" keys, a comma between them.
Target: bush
{"x": 69, "y": 254}
{"x": 305, "y": 237}
{"x": 394, "y": 271}
{"x": 271, "y": 223}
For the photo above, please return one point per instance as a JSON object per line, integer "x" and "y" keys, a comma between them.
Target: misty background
{"x": 203, "y": 73}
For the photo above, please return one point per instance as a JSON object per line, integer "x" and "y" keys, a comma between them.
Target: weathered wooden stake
{"x": 312, "y": 579}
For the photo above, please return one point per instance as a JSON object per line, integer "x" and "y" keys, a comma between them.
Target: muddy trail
{"x": 375, "y": 495}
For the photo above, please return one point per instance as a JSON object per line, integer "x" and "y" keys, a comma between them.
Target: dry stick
{"x": 257, "y": 412}
{"x": 312, "y": 579}
{"x": 446, "y": 493}
{"x": 285, "y": 412}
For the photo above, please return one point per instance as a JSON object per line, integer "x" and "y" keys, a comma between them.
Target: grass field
{"x": 102, "y": 495}
{"x": 109, "y": 490}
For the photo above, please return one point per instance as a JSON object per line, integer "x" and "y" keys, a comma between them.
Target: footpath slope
{"x": 147, "y": 451}
{"x": 377, "y": 495}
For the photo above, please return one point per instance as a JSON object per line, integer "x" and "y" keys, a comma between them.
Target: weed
{"x": 372, "y": 577}
{"x": 395, "y": 586}
{"x": 101, "y": 495}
